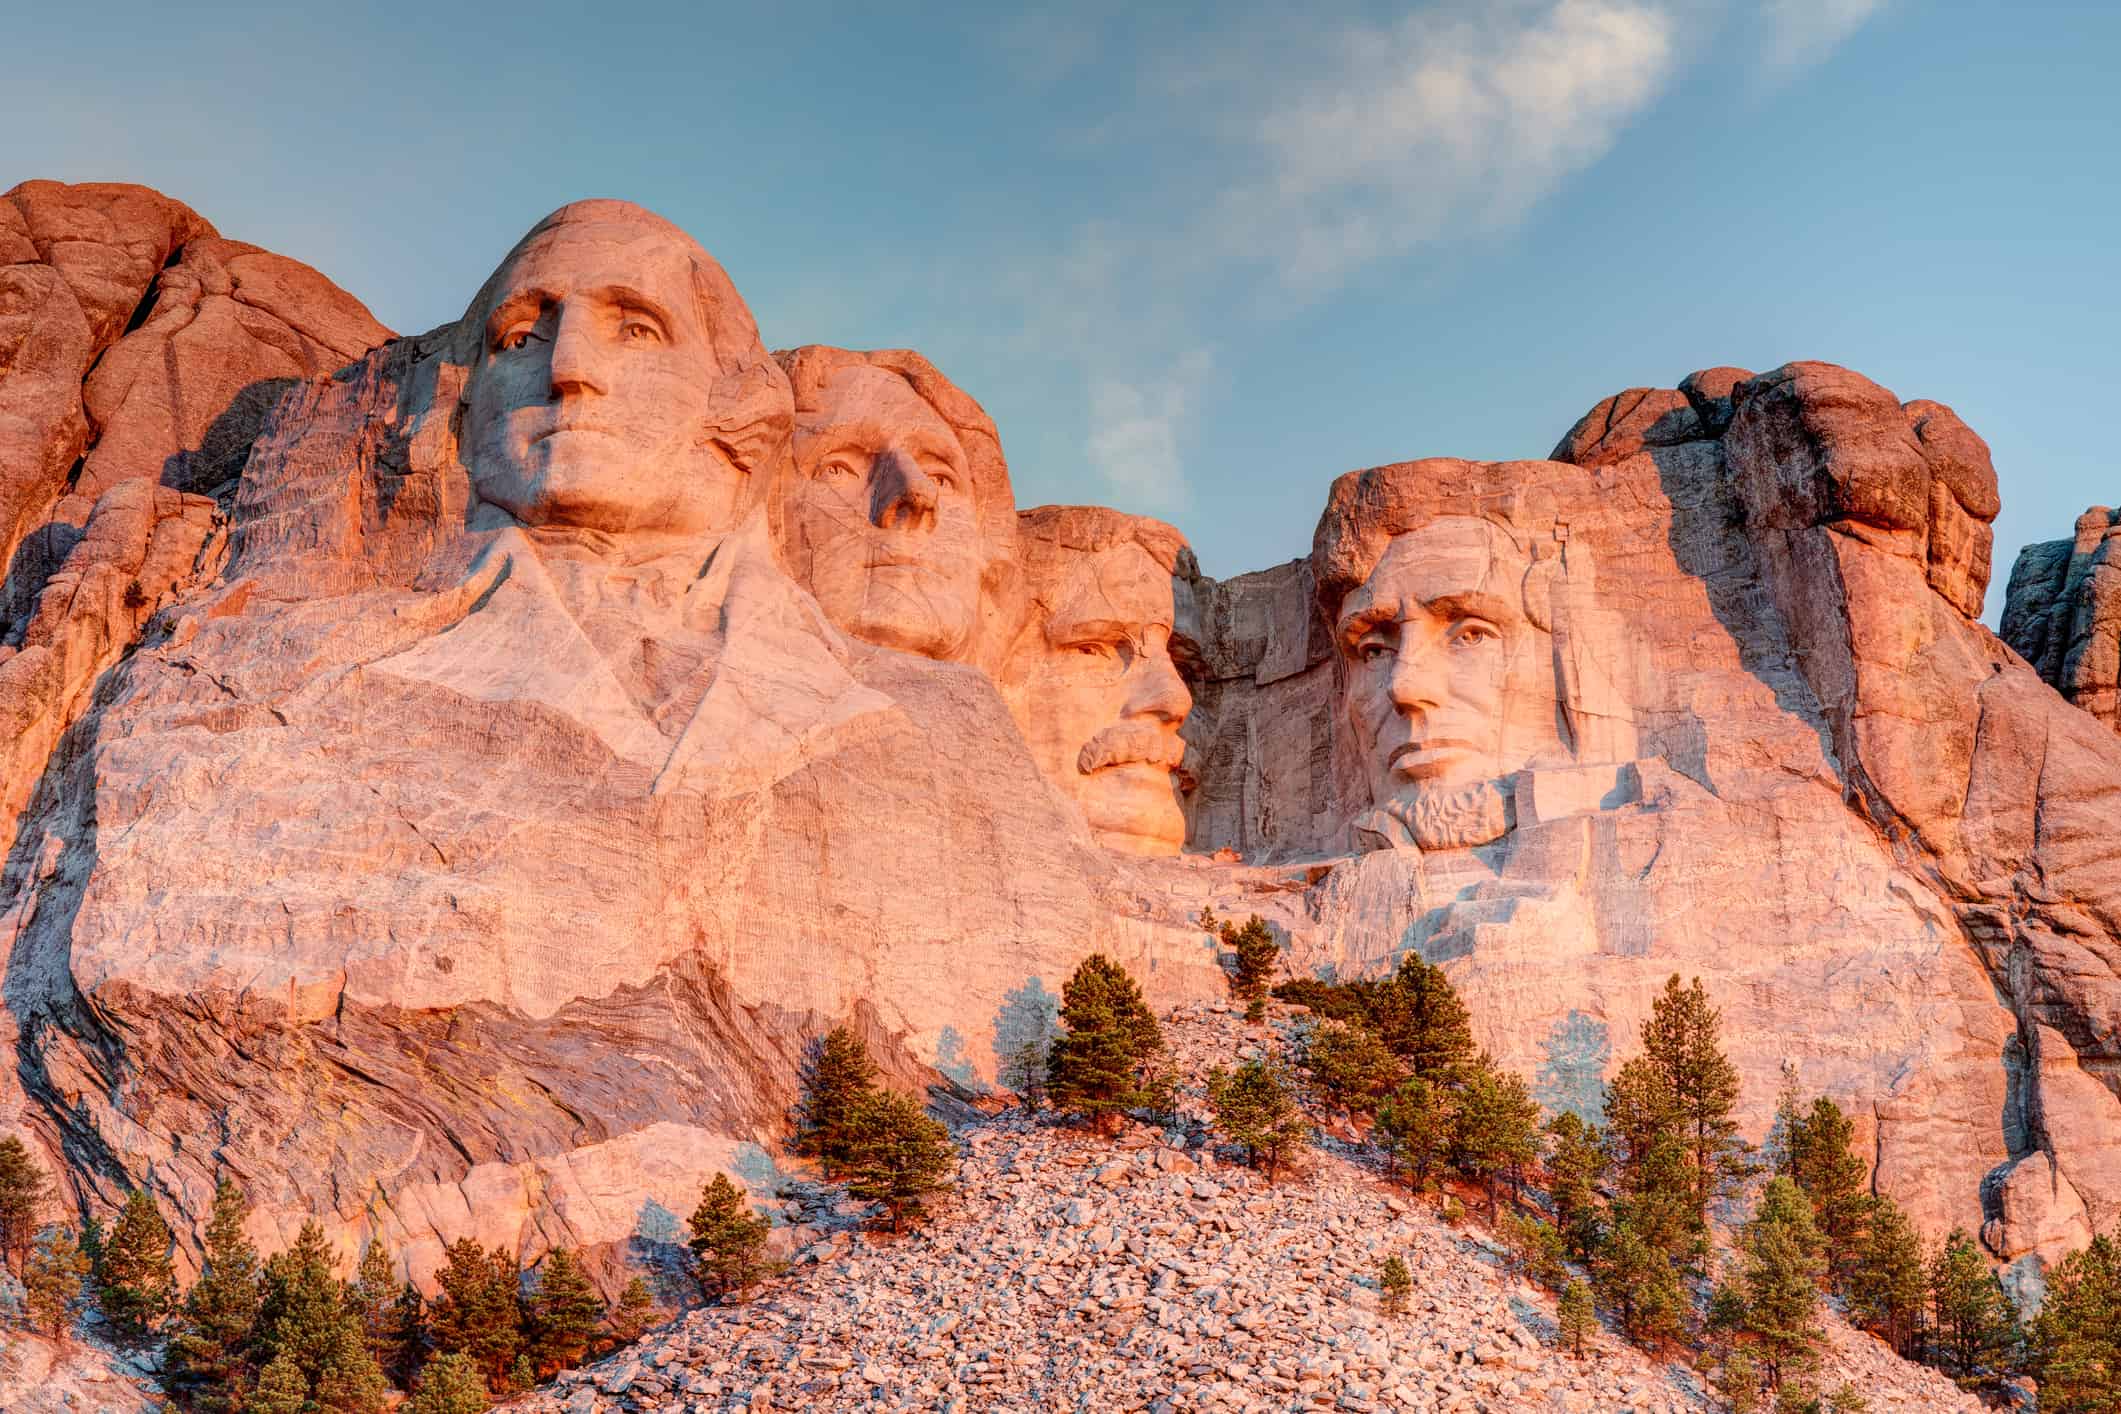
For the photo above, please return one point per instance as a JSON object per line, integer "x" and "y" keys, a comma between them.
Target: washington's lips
{"x": 1131, "y": 743}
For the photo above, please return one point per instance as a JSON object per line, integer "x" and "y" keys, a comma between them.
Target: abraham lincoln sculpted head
{"x": 617, "y": 383}
{"x": 1090, "y": 674}
{"x": 1483, "y": 682}
{"x": 898, "y": 513}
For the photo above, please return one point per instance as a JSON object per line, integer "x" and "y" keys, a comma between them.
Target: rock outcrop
{"x": 2062, "y": 612}
{"x": 460, "y": 823}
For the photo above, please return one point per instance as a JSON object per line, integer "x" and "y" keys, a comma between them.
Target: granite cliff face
{"x": 2062, "y": 612}
{"x": 456, "y": 774}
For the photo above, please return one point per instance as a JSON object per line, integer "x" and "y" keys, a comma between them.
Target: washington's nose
{"x": 1156, "y": 689}
{"x": 903, "y": 496}
{"x": 576, "y": 360}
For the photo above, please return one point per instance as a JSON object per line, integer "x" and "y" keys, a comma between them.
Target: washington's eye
{"x": 640, "y": 331}
{"x": 516, "y": 338}
{"x": 837, "y": 466}
{"x": 1472, "y": 633}
{"x": 1373, "y": 652}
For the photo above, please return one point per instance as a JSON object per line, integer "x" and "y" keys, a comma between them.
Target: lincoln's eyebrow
{"x": 1471, "y": 603}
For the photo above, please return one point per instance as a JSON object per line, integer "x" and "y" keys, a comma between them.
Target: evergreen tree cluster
{"x": 881, "y": 1142}
{"x": 286, "y": 1335}
{"x": 1400, "y": 1049}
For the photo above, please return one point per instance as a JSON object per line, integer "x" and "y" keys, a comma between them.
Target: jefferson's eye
{"x": 1373, "y": 652}
{"x": 516, "y": 338}
{"x": 1472, "y": 633}
{"x": 837, "y": 466}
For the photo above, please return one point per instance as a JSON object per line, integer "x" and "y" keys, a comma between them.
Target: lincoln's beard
{"x": 1455, "y": 818}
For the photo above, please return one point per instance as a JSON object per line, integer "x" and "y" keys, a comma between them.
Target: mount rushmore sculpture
{"x": 453, "y": 776}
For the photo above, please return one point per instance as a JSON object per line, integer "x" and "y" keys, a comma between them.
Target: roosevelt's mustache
{"x": 1127, "y": 742}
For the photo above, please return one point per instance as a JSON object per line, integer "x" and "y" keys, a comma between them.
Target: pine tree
{"x": 406, "y": 1347}
{"x": 1254, "y": 1108}
{"x": 634, "y": 1314}
{"x": 137, "y": 1281}
{"x": 1639, "y": 1282}
{"x": 1576, "y": 1166}
{"x": 564, "y": 1313}
{"x": 1975, "y": 1324}
{"x": 729, "y": 1239}
{"x": 371, "y": 1298}
{"x": 1422, "y": 1020}
{"x": 93, "y": 1240}
{"x": 282, "y": 1388}
{"x": 2076, "y": 1338}
{"x": 1739, "y": 1382}
{"x": 1497, "y": 1129}
{"x": 1535, "y": 1249}
{"x": 1683, "y": 1040}
{"x": 1783, "y": 1264}
{"x": 838, "y": 1077}
{"x": 476, "y": 1309}
{"x": 300, "y": 1313}
{"x": 207, "y": 1353}
{"x": 51, "y": 1282}
{"x": 1641, "y": 1113}
{"x": 1397, "y": 1284}
{"x": 1818, "y": 1152}
{"x": 1578, "y": 1321}
{"x": 1096, "y": 1066}
{"x": 1255, "y": 953}
{"x": 351, "y": 1381}
{"x": 902, "y": 1158}
{"x": 1349, "y": 1064}
{"x": 1888, "y": 1285}
{"x": 450, "y": 1383}
{"x": 1025, "y": 1073}
{"x": 23, "y": 1191}
{"x": 1415, "y": 1124}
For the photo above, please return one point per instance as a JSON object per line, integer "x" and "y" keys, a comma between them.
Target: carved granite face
{"x": 1431, "y": 639}
{"x": 1100, "y": 700}
{"x": 593, "y": 402}
{"x": 881, "y": 523}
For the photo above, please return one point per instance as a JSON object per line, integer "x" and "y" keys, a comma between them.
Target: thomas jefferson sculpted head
{"x": 1090, "y": 674}
{"x": 618, "y": 385}
{"x": 898, "y": 512}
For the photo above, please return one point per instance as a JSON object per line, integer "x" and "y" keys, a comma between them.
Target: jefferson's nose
{"x": 902, "y": 497}
{"x": 1156, "y": 690}
{"x": 577, "y": 358}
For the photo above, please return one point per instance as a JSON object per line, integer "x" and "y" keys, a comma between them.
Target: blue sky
{"x": 1197, "y": 263}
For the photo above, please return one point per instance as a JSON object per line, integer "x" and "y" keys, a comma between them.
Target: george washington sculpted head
{"x": 617, "y": 383}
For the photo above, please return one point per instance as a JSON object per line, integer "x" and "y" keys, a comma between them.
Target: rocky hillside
{"x": 1145, "y": 1274}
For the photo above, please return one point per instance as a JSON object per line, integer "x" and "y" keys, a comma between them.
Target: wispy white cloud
{"x": 1293, "y": 158}
{"x": 1451, "y": 123}
{"x": 1135, "y": 427}
{"x": 1802, "y": 32}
